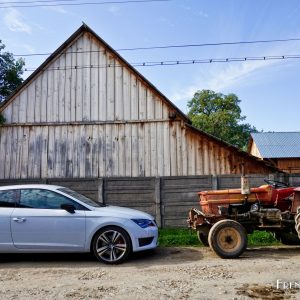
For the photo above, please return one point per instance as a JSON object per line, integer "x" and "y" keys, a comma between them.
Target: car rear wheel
{"x": 111, "y": 245}
{"x": 228, "y": 239}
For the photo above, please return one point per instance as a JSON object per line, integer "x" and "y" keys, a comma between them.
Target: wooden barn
{"x": 88, "y": 120}
{"x": 87, "y": 113}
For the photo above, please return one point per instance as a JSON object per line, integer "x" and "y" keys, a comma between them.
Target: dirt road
{"x": 166, "y": 273}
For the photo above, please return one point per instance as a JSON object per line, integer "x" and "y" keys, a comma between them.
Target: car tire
{"x": 111, "y": 245}
{"x": 228, "y": 239}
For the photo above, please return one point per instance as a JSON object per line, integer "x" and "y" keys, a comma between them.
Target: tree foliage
{"x": 220, "y": 115}
{"x": 10, "y": 74}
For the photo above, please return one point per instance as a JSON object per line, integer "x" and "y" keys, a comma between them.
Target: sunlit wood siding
{"x": 289, "y": 165}
{"x": 254, "y": 150}
{"x": 140, "y": 149}
{"x": 87, "y": 114}
{"x": 86, "y": 86}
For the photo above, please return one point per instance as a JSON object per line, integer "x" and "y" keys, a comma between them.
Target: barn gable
{"x": 86, "y": 80}
{"x": 86, "y": 113}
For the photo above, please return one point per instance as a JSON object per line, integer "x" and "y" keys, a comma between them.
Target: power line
{"x": 36, "y": 1}
{"x": 83, "y": 3}
{"x": 174, "y": 62}
{"x": 172, "y": 46}
{"x": 210, "y": 44}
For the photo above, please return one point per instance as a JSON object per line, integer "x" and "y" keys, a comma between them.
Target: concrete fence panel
{"x": 167, "y": 198}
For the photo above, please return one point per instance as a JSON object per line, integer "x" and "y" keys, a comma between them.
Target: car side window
{"x": 45, "y": 199}
{"x": 9, "y": 198}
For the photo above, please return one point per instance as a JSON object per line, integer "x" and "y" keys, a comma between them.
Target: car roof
{"x": 31, "y": 186}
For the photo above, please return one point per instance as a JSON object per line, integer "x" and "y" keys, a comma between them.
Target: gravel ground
{"x": 166, "y": 273}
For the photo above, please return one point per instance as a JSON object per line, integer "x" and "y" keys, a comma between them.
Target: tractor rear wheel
{"x": 288, "y": 238}
{"x": 228, "y": 239}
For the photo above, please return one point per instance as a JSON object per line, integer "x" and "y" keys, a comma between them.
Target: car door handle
{"x": 19, "y": 220}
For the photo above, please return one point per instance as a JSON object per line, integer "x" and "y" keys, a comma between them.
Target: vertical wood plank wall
{"x": 84, "y": 151}
{"x": 86, "y": 86}
{"x": 87, "y": 115}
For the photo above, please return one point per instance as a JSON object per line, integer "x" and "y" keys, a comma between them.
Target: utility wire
{"x": 173, "y": 62}
{"x": 172, "y": 46}
{"x": 36, "y": 1}
{"x": 83, "y": 3}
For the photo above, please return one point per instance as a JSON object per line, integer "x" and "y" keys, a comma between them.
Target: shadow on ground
{"x": 159, "y": 256}
{"x": 144, "y": 259}
{"x": 275, "y": 252}
{"x": 166, "y": 255}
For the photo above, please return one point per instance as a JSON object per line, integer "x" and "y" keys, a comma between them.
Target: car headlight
{"x": 144, "y": 223}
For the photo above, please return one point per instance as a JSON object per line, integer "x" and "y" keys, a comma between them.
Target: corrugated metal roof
{"x": 277, "y": 144}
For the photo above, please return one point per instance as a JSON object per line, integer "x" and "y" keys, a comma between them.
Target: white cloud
{"x": 114, "y": 9}
{"x": 229, "y": 75}
{"x": 29, "y": 48}
{"x": 219, "y": 80}
{"x": 58, "y": 9}
{"x": 15, "y": 22}
{"x": 166, "y": 21}
{"x": 201, "y": 13}
{"x": 236, "y": 72}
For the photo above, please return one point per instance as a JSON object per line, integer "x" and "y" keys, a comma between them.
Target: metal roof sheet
{"x": 277, "y": 144}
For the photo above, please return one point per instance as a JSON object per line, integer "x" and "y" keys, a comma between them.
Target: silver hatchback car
{"x": 47, "y": 218}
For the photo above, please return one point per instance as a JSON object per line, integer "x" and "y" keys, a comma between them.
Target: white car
{"x": 47, "y": 218}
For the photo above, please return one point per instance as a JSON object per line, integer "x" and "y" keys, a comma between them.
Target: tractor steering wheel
{"x": 275, "y": 183}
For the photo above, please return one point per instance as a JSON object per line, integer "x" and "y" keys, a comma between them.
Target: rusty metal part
{"x": 229, "y": 239}
{"x": 197, "y": 219}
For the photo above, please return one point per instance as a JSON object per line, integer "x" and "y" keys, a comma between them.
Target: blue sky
{"x": 269, "y": 90}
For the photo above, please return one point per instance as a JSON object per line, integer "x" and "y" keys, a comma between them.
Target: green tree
{"x": 11, "y": 71}
{"x": 220, "y": 116}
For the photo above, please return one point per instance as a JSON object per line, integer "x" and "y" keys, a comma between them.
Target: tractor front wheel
{"x": 202, "y": 234}
{"x": 228, "y": 239}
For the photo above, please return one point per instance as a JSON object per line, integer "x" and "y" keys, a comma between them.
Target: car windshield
{"x": 81, "y": 198}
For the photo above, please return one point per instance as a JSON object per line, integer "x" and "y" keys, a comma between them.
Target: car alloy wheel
{"x": 112, "y": 245}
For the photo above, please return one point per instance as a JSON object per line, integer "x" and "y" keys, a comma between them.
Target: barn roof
{"x": 277, "y": 144}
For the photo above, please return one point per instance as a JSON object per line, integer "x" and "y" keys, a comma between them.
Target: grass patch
{"x": 262, "y": 238}
{"x": 171, "y": 237}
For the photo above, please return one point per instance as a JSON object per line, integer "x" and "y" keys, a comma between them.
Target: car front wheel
{"x": 111, "y": 245}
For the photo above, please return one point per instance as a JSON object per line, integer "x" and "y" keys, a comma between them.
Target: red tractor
{"x": 226, "y": 217}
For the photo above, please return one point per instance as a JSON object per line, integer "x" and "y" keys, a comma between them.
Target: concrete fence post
{"x": 158, "y": 215}
{"x": 215, "y": 182}
{"x": 101, "y": 190}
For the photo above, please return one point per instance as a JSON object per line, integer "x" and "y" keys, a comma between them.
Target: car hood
{"x": 118, "y": 211}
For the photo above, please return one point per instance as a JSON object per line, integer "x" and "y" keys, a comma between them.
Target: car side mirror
{"x": 70, "y": 208}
